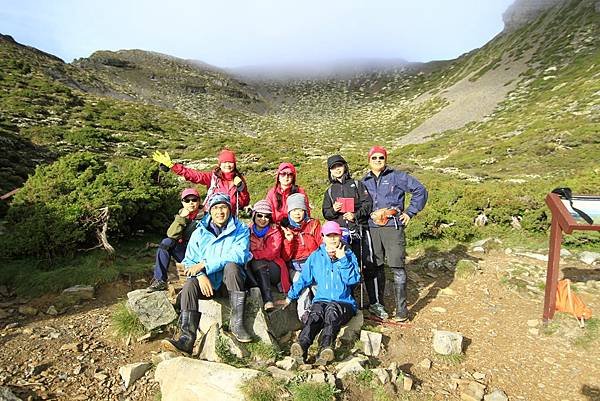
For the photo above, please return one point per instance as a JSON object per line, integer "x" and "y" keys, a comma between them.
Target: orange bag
{"x": 382, "y": 216}
{"x": 567, "y": 301}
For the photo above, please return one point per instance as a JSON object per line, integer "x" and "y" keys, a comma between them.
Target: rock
{"x": 533, "y": 322}
{"x": 213, "y": 311}
{"x": 531, "y": 255}
{"x": 233, "y": 345}
{"x": 533, "y": 331}
{"x": 73, "y": 347}
{"x": 479, "y": 249}
{"x": 163, "y": 356}
{"x": 350, "y": 332}
{"x": 487, "y": 244}
{"x": 407, "y": 383}
{"x": 194, "y": 380}
{"x": 27, "y": 310}
{"x": 256, "y": 321}
{"x": 478, "y": 376}
{"x": 565, "y": 253}
{"x": 207, "y": 348}
{"x": 438, "y": 309}
{"x": 80, "y": 292}
{"x": 350, "y": 366}
{"x": 52, "y": 311}
{"x": 447, "y": 342}
{"x": 521, "y": 12}
{"x": 133, "y": 371}
{"x": 151, "y": 307}
{"x": 287, "y": 363}
{"x": 7, "y": 395}
{"x": 318, "y": 376}
{"x": 473, "y": 392}
{"x": 496, "y": 395}
{"x": 425, "y": 364}
{"x": 589, "y": 258}
{"x": 382, "y": 374}
{"x": 281, "y": 374}
{"x": 447, "y": 291}
{"x": 371, "y": 342}
{"x": 284, "y": 321}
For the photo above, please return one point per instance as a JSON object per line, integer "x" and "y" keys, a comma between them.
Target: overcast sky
{"x": 228, "y": 33}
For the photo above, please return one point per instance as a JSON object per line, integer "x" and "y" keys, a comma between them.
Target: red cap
{"x": 286, "y": 168}
{"x": 378, "y": 149}
{"x": 331, "y": 227}
{"x": 188, "y": 192}
{"x": 227, "y": 155}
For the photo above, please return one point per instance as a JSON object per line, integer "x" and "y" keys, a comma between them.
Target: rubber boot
{"x": 237, "y": 299}
{"x": 381, "y": 286}
{"x": 189, "y": 321}
{"x": 400, "y": 294}
{"x": 264, "y": 283}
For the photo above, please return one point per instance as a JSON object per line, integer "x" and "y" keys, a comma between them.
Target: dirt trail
{"x": 76, "y": 357}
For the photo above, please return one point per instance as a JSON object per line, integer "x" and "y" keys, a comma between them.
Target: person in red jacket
{"x": 225, "y": 178}
{"x": 267, "y": 265}
{"x": 285, "y": 185}
{"x": 302, "y": 236}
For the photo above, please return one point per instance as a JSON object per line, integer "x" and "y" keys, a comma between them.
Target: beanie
{"x": 296, "y": 201}
{"x": 262, "y": 206}
{"x": 219, "y": 198}
{"x": 378, "y": 149}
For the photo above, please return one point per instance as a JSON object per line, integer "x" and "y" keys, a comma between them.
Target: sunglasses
{"x": 377, "y": 157}
{"x": 188, "y": 200}
{"x": 286, "y": 175}
{"x": 263, "y": 216}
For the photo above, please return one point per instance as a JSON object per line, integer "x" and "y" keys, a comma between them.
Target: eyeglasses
{"x": 286, "y": 175}
{"x": 377, "y": 157}
{"x": 263, "y": 216}
{"x": 188, "y": 200}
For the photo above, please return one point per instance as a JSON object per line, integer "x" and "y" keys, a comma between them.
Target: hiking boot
{"x": 399, "y": 319}
{"x": 298, "y": 353}
{"x": 378, "y": 310}
{"x": 269, "y": 306}
{"x": 326, "y": 355}
{"x": 158, "y": 285}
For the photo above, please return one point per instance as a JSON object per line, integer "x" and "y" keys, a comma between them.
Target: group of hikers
{"x": 320, "y": 267}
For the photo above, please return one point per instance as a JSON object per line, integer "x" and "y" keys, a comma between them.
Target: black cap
{"x": 335, "y": 159}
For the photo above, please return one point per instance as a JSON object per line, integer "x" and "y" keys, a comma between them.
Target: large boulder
{"x": 185, "y": 379}
{"x": 151, "y": 307}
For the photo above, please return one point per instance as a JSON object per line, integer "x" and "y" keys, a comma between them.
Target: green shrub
{"x": 263, "y": 388}
{"x": 58, "y": 209}
{"x": 312, "y": 391}
{"x": 125, "y": 323}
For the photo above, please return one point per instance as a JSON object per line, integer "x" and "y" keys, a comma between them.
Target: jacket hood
{"x": 337, "y": 159}
{"x": 282, "y": 167}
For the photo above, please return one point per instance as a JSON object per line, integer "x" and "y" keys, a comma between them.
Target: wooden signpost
{"x": 565, "y": 220}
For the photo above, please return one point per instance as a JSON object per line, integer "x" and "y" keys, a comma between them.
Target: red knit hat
{"x": 378, "y": 149}
{"x": 227, "y": 155}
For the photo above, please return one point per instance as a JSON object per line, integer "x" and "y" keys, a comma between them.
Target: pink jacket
{"x": 269, "y": 248}
{"x": 280, "y": 212}
{"x": 239, "y": 199}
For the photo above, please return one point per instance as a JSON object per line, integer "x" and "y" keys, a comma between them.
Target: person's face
{"x": 377, "y": 162}
{"x": 332, "y": 241}
{"x": 297, "y": 215}
{"x": 190, "y": 203}
{"x": 227, "y": 167}
{"x": 262, "y": 219}
{"x": 219, "y": 214}
{"x": 286, "y": 179}
{"x": 337, "y": 170}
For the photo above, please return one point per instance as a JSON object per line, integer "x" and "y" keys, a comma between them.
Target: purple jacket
{"x": 387, "y": 191}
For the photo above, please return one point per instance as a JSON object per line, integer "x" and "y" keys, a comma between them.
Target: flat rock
{"x": 496, "y": 395}
{"x": 371, "y": 342}
{"x": 27, "y": 310}
{"x": 589, "y": 258}
{"x": 186, "y": 379}
{"x": 133, "y": 371}
{"x": 287, "y": 363}
{"x": 7, "y": 395}
{"x": 382, "y": 374}
{"x": 80, "y": 292}
{"x": 151, "y": 307}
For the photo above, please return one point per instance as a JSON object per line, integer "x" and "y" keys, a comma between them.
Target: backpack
{"x": 567, "y": 301}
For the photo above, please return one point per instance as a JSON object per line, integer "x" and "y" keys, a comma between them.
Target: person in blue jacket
{"x": 216, "y": 254}
{"x": 334, "y": 269}
{"x": 387, "y": 188}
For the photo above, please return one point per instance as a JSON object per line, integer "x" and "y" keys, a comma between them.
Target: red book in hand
{"x": 347, "y": 204}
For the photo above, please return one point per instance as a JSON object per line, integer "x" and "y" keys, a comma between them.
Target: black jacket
{"x": 348, "y": 188}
